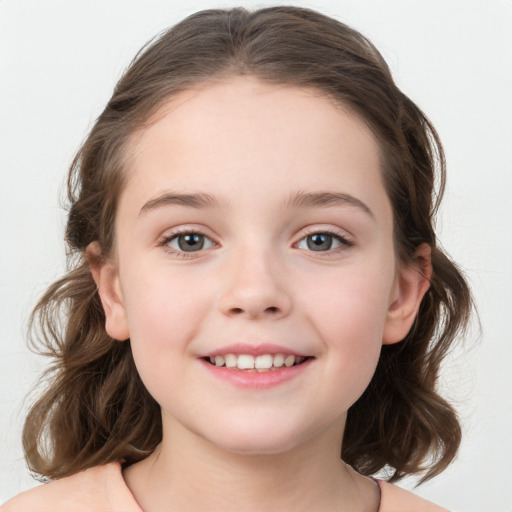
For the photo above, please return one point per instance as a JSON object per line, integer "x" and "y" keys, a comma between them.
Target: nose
{"x": 254, "y": 286}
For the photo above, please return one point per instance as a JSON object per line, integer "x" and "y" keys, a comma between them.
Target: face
{"x": 254, "y": 269}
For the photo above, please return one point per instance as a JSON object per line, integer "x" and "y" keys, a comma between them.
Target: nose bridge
{"x": 254, "y": 281}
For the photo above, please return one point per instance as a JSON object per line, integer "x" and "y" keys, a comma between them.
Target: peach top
{"x": 103, "y": 489}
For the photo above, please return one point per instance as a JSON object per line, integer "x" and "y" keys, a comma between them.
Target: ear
{"x": 412, "y": 282}
{"x": 106, "y": 277}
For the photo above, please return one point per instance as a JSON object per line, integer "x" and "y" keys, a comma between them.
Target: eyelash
{"x": 166, "y": 239}
{"x": 344, "y": 241}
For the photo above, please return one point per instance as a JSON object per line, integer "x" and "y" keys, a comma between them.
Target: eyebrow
{"x": 325, "y": 200}
{"x": 200, "y": 200}
{"x": 300, "y": 200}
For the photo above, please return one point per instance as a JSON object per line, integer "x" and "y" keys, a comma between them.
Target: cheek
{"x": 351, "y": 304}
{"x": 160, "y": 301}
{"x": 349, "y": 311}
{"x": 165, "y": 311}
{"x": 162, "y": 320}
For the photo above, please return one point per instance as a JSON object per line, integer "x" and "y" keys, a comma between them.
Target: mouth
{"x": 256, "y": 364}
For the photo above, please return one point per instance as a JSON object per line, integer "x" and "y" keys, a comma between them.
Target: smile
{"x": 260, "y": 363}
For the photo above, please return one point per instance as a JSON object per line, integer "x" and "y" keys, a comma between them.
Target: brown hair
{"x": 95, "y": 409}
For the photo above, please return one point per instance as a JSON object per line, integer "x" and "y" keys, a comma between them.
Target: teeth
{"x": 231, "y": 360}
{"x": 261, "y": 363}
{"x": 278, "y": 360}
{"x": 288, "y": 361}
{"x": 245, "y": 362}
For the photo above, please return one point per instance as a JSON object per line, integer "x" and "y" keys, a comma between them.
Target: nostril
{"x": 271, "y": 309}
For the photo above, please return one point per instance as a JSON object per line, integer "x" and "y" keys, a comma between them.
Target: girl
{"x": 255, "y": 285}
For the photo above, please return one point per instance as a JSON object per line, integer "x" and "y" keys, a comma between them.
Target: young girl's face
{"x": 254, "y": 222}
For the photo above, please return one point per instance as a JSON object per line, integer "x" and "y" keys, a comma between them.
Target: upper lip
{"x": 253, "y": 349}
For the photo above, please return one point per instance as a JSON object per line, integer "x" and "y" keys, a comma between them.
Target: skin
{"x": 256, "y": 280}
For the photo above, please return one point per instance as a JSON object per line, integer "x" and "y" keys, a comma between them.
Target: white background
{"x": 59, "y": 61}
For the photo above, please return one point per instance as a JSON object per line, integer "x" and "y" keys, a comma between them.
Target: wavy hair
{"x": 94, "y": 408}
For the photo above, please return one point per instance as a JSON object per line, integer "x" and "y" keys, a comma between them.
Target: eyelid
{"x": 342, "y": 236}
{"x": 331, "y": 230}
{"x": 169, "y": 235}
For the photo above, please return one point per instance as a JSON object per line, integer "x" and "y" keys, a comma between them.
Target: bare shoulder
{"x": 396, "y": 499}
{"x": 98, "y": 488}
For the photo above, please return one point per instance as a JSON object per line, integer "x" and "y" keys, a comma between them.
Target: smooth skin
{"x": 261, "y": 275}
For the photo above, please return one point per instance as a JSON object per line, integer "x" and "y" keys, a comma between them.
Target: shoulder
{"x": 99, "y": 488}
{"x": 396, "y": 499}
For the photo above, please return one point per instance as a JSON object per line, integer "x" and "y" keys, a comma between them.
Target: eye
{"x": 188, "y": 242}
{"x": 323, "y": 241}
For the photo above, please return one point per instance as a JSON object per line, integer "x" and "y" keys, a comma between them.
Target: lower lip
{"x": 257, "y": 380}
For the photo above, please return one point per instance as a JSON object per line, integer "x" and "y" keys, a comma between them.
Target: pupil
{"x": 190, "y": 242}
{"x": 319, "y": 242}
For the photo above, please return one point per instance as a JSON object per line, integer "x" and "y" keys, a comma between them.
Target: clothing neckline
{"x": 120, "y": 464}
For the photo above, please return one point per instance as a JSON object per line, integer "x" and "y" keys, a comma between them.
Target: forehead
{"x": 240, "y": 136}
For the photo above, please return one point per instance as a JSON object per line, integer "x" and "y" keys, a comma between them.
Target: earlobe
{"x": 106, "y": 277}
{"x": 412, "y": 282}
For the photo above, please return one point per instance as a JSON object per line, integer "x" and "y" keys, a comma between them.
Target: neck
{"x": 188, "y": 473}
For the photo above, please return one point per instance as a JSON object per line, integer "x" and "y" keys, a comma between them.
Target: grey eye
{"x": 190, "y": 242}
{"x": 320, "y": 242}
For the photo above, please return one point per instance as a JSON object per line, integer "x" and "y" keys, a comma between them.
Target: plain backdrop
{"x": 59, "y": 61}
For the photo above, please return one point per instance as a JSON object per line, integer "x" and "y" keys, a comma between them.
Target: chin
{"x": 250, "y": 440}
